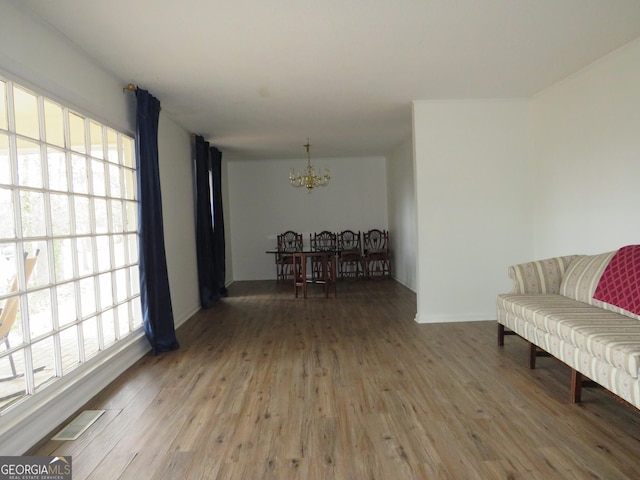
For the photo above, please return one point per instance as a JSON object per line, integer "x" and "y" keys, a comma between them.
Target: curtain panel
{"x": 218, "y": 223}
{"x": 155, "y": 296}
{"x": 209, "y": 222}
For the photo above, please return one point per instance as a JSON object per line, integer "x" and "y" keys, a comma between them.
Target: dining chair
{"x": 288, "y": 242}
{"x": 350, "y": 260}
{"x": 377, "y": 259}
{"x": 324, "y": 241}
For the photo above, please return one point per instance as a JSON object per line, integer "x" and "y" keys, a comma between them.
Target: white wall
{"x": 227, "y": 222}
{"x": 474, "y": 197}
{"x": 502, "y": 182}
{"x": 402, "y": 214}
{"x": 176, "y": 182}
{"x": 263, "y": 204}
{"x": 36, "y": 56}
{"x": 587, "y": 156}
{"x": 40, "y": 57}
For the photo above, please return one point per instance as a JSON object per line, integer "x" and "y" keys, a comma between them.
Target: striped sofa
{"x": 552, "y": 306}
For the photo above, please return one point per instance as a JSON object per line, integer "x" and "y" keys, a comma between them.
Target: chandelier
{"x": 310, "y": 179}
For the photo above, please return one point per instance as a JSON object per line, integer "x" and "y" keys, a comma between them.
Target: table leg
{"x": 325, "y": 274}
{"x": 300, "y": 273}
{"x": 304, "y": 275}
{"x": 334, "y": 275}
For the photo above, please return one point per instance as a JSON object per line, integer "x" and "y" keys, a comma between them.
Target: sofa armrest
{"x": 541, "y": 276}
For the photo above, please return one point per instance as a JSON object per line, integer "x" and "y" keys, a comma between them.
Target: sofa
{"x": 584, "y": 310}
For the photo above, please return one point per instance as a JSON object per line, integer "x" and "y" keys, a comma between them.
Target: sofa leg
{"x": 576, "y": 386}
{"x": 533, "y": 353}
{"x": 502, "y": 331}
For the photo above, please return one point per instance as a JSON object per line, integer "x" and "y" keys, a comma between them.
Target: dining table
{"x": 325, "y": 273}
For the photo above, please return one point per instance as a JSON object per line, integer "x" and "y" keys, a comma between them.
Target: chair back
{"x": 376, "y": 241}
{"x": 349, "y": 241}
{"x": 290, "y": 241}
{"x": 323, "y": 241}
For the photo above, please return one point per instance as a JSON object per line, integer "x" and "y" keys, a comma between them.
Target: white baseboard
{"x": 404, "y": 283}
{"x": 453, "y": 318}
{"x": 178, "y": 322}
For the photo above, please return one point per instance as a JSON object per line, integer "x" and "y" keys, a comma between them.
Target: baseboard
{"x": 178, "y": 322}
{"x": 404, "y": 284}
{"x": 454, "y": 318}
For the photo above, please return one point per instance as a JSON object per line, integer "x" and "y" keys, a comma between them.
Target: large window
{"x": 68, "y": 240}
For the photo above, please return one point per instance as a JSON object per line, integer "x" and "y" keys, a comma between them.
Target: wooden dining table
{"x": 327, "y": 272}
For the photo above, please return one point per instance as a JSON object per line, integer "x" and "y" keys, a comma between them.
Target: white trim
{"x": 454, "y": 318}
{"x": 403, "y": 283}
{"x": 183, "y": 319}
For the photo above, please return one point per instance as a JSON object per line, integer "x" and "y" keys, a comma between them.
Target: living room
{"x": 476, "y": 185}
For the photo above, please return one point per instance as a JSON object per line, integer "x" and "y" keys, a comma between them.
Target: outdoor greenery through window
{"x": 69, "y": 283}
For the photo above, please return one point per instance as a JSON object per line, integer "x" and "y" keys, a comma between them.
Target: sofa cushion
{"x": 607, "y": 335}
{"x": 541, "y": 276}
{"x": 582, "y": 277}
{"x": 619, "y": 284}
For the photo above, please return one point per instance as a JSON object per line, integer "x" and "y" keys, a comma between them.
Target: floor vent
{"x": 78, "y": 425}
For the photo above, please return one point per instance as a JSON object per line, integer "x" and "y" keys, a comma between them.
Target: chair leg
{"x": 287, "y": 271}
{"x": 350, "y": 269}
{"x": 378, "y": 268}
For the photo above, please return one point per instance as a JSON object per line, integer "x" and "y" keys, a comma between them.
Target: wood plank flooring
{"x": 266, "y": 386}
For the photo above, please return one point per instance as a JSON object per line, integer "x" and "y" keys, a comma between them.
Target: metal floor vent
{"x": 78, "y": 425}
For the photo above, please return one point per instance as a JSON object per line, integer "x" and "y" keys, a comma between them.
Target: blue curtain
{"x": 218, "y": 223}
{"x": 155, "y": 297}
{"x": 209, "y": 223}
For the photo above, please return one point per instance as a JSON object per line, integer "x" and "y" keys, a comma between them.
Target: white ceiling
{"x": 257, "y": 77}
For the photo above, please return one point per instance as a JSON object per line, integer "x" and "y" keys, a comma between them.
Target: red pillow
{"x": 619, "y": 284}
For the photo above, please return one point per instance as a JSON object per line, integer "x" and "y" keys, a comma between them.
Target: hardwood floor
{"x": 266, "y": 386}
